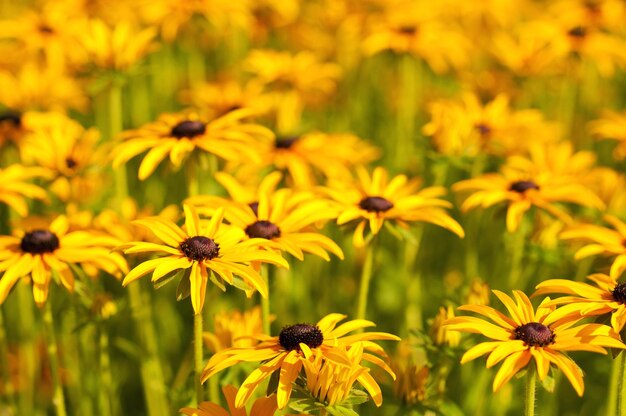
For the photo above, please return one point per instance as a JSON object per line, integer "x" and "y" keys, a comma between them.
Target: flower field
{"x": 320, "y": 207}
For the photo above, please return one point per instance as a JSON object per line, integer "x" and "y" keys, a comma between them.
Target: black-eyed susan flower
{"x": 440, "y": 333}
{"x": 542, "y": 335}
{"x": 602, "y": 240}
{"x": 42, "y": 253}
{"x": 15, "y": 186}
{"x": 263, "y": 406}
{"x": 331, "y": 383}
{"x": 612, "y": 126}
{"x": 228, "y": 137}
{"x": 374, "y": 198}
{"x": 413, "y": 375}
{"x": 606, "y": 297}
{"x": 69, "y": 151}
{"x": 295, "y": 343}
{"x": 285, "y": 217}
{"x": 526, "y": 182}
{"x": 221, "y": 97}
{"x": 234, "y": 329}
{"x": 204, "y": 251}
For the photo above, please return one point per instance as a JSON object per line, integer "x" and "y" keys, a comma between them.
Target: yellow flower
{"x": 33, "y": 87}
{"x": 264, "y": 406}
{"x": 418, "y": 28}
{"x": 466, "y": 127}
{"x": 441, "y": 334}
{"x": 69, "y": 151}
{"x": 606, "y": 297}
{"x": 295, "y": 344}
{"x": 374, "y": 199}
{"x": 14, "y": 188}
{"x": 612, "y": 126}
{"x": 234, "y": 329}
{"x": 40, "y": 252}
{"x": 528, "y": 334}
{"x": 545, "y": 179}
{"x": 602, "y": 240}
{"x": 412, "y": 373}
{"x": 116, "y": 47}
{"x": 284, "y": 217}
{"x": 228, "y": 137}
{"x": 331, "y": 383}
{"x": 202, "y": 251}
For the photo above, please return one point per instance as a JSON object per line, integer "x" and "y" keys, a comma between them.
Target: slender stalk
{"x": 413, "y": 282}
{"x": 191, "y": 172}
{"x": 366, "y": 276}
{"x": 265, "y": 302}
{"x": 9, "y": 389}
{"x": 105, "y": 374}
{"x": 115, "y": 124}
{"x": 531, "y": 380}
{"x": 614, "y": 386}
{"x": 59, "y": 397}
{"x": 517, "y": 245}
{"x": 621, "y": 388}
{"x": 29, "y": 362}
{"x": 198, "y": 357}
{"x": 407, "y": 108}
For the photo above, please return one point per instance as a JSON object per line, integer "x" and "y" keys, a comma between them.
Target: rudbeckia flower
{"x": 284, "y": 217}
{"x": 264, "y": 406}
{"x": 295, "y": 343}
{"x": 612, "y": 126}
{"x": 542, "y": 335}
{"x": 229, "y": 137}
{"x": 234, "y": 329}
{"x": 606, "y": 297}
{"x": 15, "y": 187}
{"x": 38, "y": 253}
{"x": 523, "y": 183}
{"x": 602, "y": 240}
{"x": 374, "y": 199}
{"x": 212, "y": 250}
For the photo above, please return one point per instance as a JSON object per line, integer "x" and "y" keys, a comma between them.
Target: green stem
{"x": 9, "y": 389}
{"x": 198, "y": 357}
{"x": 516, "y": 254}
{"x": 115, "y": 126}
{"x": 191, "y": 172}
{"x": 265, "y": 302}
{"x": 621, "y": 387}
{"x": 413, "y": 282}
{"x": 59, "y": 397}
{"x": 407, "y": 109}
{"x": 105, "y": 374}
{"x": 366, "y": 276}
{"x": 531, "y": 379}
{"x": 614, "y": 387}
{"x": 28, "y": 355}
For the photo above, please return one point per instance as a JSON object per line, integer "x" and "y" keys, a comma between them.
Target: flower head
{"x": 295, "y": 344}
{"x": 543, "y": 334}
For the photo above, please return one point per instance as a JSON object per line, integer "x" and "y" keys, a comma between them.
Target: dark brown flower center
{"x": 619, "y": 293}
{"x": 291, "y": 336}
{"x": 263, "y": 229}
{"x": 200, "y": 248}
{"x": 523, "y": 186}
{"x": 408, "y": 30}
{"x": 375, "y": 204}
{"x": 285, "y": 142}
{"x": 12, "y": 118}
{"x": 45, "y": 29}
{"x": 71, "y": 163}
{"x": 188, "y": 129}
{"x": 535, "y": 334}
{"x": 483, "y": 129}
{"x": 577, "y": 32}
{"x": 39, "y": 242}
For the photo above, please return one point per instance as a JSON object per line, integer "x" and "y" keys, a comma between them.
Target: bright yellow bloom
{"x": 331, "y": 383}
{"x": 234, "y": 329}
{"x": 543, "y": 335}
{"x": 374, "y": 199}
{"x": 606, "y": 297}
{"x": 541, "y": 181}
{"x": 295, "y": 344}
{"x": 15, "y": 188}
{"x": 220, "y": 98}
{"x": 33, "y": 87}
{"x": 229, "y": 137}
{"x": 69, "y": 151}
{"x": 284, "y": 217}
{"x": 203, "y": 251}
{"x": 38, "y": 253}
{"x": 417, "y": 28}
{"x": 264, "y": 406}
{"x": 612, "y": 126}
{"x": 602, "y": 240}
{"x": 114, "y": 47}
{"x": 465, "y": 127}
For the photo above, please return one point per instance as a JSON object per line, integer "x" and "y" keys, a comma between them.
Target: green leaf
{"x": 355, "y": 397}
{"x": 184, "y": 286}
{"x": 548, "y": 384}
{"x": 341, "y": 411}
{"x": 168, "y": 278}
